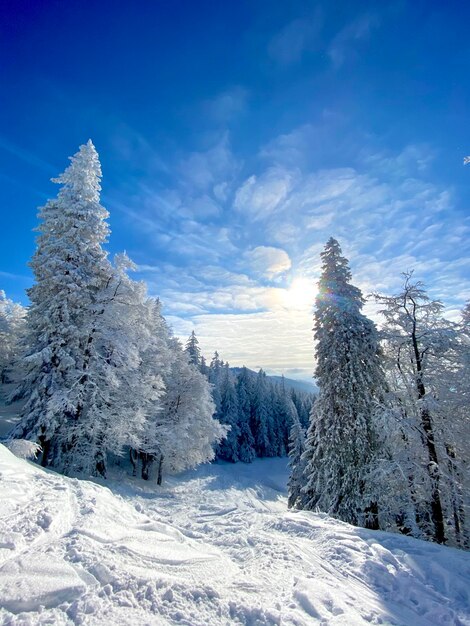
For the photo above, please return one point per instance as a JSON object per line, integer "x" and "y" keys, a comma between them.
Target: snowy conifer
{"x": 246, "y": 441}
{"x": 203, "y": 367}
{"x": 284, "y": 413}
{"x": 261, "y": 425}
{"x": 192, "y": 349}
{"x": 296, "y": 462}
{"x": 124, "y": 376}
{"x": 71, "y": 271}
{"x": 12, "y": 329}
{"x": 215, "y": 378}
{"x": 228, "y": 414}
{"x": 181, "y": 433}
{"x": 341, "y": 440}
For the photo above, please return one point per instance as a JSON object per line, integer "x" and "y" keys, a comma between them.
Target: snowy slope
{"x": 214, "y": 546}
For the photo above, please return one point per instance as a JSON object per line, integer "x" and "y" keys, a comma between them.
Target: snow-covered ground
{"x": 213, "y": 546}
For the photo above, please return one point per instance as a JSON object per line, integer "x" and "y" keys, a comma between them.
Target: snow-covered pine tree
{"x": 182, "y": 432}
{"x": 464, "y": 360}
{"x": 342, "y": 441}
{"x": 215, "y": 375}
{"x": 261, "y": 423}
{"x": 466, "y": 317}
{"x": 144, "y": 439}
{"x": 71, "y": 271}
{"x": 296, "y": 463}
{"x": 12, "y": 329}
{"x": 203, "y": 367}
{"x": 193, "y": 350}
{"x": 246, "y": 441}
{"x": 303, "y": 403}
{"x": 284, "y": 413}
{"x": 228, "y": 448}
{"x": 125, "y": 382}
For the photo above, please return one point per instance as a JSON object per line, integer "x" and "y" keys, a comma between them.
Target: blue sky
{"x": 235, "y": 138}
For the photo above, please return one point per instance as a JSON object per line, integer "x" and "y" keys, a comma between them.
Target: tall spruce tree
{"x": 296, "y": 463}
{"x": 246, "y": 440}
{"x": 71, "y": 271}
{"x": 193, "y": 350}
{"x": 261, "y": 421}
{"x": 341, "y": 441}
{"x": 284, "y": 413}
{"x": 228, "y": 448}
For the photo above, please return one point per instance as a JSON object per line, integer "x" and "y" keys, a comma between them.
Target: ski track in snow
{"x": 213, "y": 546}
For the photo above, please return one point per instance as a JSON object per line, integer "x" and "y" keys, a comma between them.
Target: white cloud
{"x": 290, "y": 149}
{"x": 279, "y": 339}
{"x": 228, "y": 298}
{"x": 413, "y": 158}
{"x": 268, "y": 261}
{"x": 226, "y": 105}
{"x": 203, "y": 170}
{"x": 293, "y": 40}
{"x": 387, "y": 216}
{"x": 343, "y": 45}
{"x": 260, "y": 196}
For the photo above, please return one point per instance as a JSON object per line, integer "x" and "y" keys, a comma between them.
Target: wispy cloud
{"x": 344, "y": 44}
{"x": 27, "y": 156}
{"x": 137, "y": 151}
{"x": 260, "y": 196}
{"x": 227, "y": 105}
{"x": 268, "y": 261}
{"x": 296, "y": 38}
{"x": 205, "y": 170}
{"x": 13, "y": 276}
{"x": 237, "y": 252}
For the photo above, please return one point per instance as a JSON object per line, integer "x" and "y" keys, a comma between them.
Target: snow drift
{"x": 214, "y": 546}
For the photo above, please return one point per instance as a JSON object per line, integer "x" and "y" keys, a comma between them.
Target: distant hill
{"x": 298, "y": 385}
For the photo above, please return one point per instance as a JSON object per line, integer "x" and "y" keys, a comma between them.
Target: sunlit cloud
{"x": 230, "y": 233}
{"x": 261, "y": 196}
{"x": 268, "y": 261}
{"x": 247, "y": 249}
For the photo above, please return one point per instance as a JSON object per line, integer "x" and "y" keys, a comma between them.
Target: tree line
{"x": 258, "y": 411}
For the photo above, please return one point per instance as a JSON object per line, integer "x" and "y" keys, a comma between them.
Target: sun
{"x": 301, "y": 294}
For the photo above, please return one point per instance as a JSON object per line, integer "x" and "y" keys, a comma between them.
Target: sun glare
{"x": 300, "y": 294}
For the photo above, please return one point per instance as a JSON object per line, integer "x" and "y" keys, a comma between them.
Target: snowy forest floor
{"x": 213, "y": 546}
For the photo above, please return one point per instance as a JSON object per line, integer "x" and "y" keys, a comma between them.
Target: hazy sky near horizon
{"x": 235, "y": 138}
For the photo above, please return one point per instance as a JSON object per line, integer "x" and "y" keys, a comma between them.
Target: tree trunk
{"x": 134, "y": 457}
{"x": 147, "y": 460}
{"x": 45, "y": 446}
{"x": 160, "y": 470}
{"x": 456, "y": 498}
{"x": 437, "y": 515}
